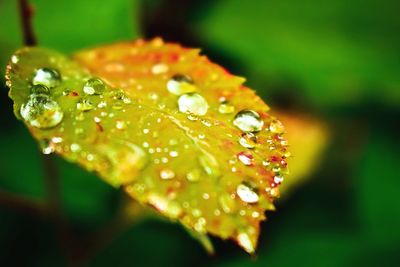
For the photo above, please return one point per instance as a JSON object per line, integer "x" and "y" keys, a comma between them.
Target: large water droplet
{"x": 276, "y": 126}
{"x": 180, "y": 84}
{"x": 193, "y": 103}
{"x": 94, "y": 86}
{"x": 47, "y": 77}
{"x": 247, "y": 193}
{"x": 248, "y": 140}
{"x": 248, "y": 121}
{"x": 41, "y": 111}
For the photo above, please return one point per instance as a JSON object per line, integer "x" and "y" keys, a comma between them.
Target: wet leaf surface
{"x": 177, "y": 132}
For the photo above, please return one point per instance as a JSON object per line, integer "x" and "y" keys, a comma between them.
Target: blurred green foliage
{"x": 335, "y": 59}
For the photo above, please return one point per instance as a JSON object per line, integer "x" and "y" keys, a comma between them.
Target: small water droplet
{"x": 246, "y": 158}
{"x": 248, "y": 140}
{"x": 247, "y": 193}
{"x": 41, "y": 111}
{"x": 226, "y": 108}
{"x": 167, "y": 174}
{"x": 46, "y": 146}
{"x": 75, "y": 147}
{"x": 276, "y": 126}
{"x": 180, "y": 84}
{"x": 170, "y": 208}
{"x": 84, "y": 104}
{"x": 94, "y": 86}
{"x": 192, "y": 117}
{"x": 245, "y": 242}
{"x": 274, "y": 192}
{"x": 173, "y": 154}
{"x": 120, "y": 125}
{"x": 193, "y": 103}
{"x": 40, "y": 89}
{"x": 248, "y": 121}
{"x": 200, "y": 225}
{"x": 278, "y": 179}
{"x": 227, "y": 203}
{"x": 206, "y": 123}
{"x": 193, "y": 176}
{"x": 56, "y": 139}
{"x": 159, "y": 68}
{"x": 14, "y": 59}
{"x": 47, "y": 77}
{"x": 209, "y": 164}
{"x": 66, "y": 92}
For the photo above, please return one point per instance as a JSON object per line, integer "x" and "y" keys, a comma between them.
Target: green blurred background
{"x": 335, "y": 60}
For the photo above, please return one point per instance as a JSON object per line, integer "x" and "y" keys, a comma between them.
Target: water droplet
{"x": 75, "y": 147}
{"x": 41, "y": 112}
{"x": 14, "y": 59}
{"x": 246, "y": 158}
{"x": 40, "y": 89}
{"x": 227, "y": 203}
{"x": 84, "y": 105}
{"x": 226, "y": 108}
{"x": 206, "y": 123}
{"x": 167, "y": 174}
{"x": 193, "y": 176}
{"x": 170, "y": 208}
{"x": 247, "y": 193}
{"x": 173, "y": 154}
{"x": 245, "y": 242}
{"x": 274, "y": 192}
{"x": 102, "y": 104}
{"x": 56, "y": 139}
{"x": 180, "y": 84}
{"x": 47, "y": 77}
{"x": 192, "y": 117}
{"x": 94, "y": 86}
{"x": 278, "y": 179}
{"x": 159, "y": 68}
{"x": 66, "y": 92}
{"x": 209, "y": 164}
{"x": 193, "y": 103}
{"x": 120, "y": 125}
{"x": 248, "y": 121}
{"x": 46, "y": 146}
{"x": 200, "y": 225}
{"x": 248, "y": 140}
{"x": 276, "y": 126}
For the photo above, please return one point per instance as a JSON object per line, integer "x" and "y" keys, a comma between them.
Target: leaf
{"x": 176, "y": 131}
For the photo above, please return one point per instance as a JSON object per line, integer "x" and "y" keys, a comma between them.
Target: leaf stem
{"x": 26, "y": 14}
{"x": 22, "y": 204}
